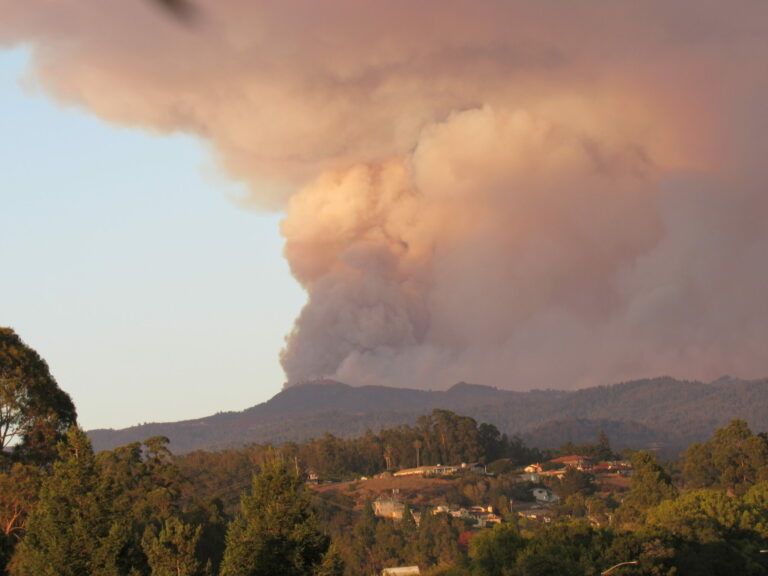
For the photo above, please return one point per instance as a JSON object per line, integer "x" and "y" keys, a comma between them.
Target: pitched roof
{"x": 572, "y": 458}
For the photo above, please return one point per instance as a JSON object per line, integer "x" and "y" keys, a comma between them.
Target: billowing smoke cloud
{"x": 523, "y": 194}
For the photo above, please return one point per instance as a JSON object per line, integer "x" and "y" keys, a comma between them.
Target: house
{"x": 578, "y": 462}
{"x": 388, "y": 508}
{"x": 616, "y": 468}
{"x": 483, "y": 516}
{"x": 531, "y": 473}
{"x": 553, "y": 473}
{"x": 442, "y": 470}
{"x": 491, "y": 518}
{"x": 420, "y": 471}
{"x": 454, "y": 511}
{"x": 480, "y": 516}
{"x": 401, "y": 571}
{"x": 544, "y": 496}
{"x": 536, "y": 513}
{"x": 473, "y": 467}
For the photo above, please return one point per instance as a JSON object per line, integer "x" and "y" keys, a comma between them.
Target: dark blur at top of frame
{"x": 182, "y": 10}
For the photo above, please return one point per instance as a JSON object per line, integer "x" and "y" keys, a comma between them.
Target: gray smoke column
{"x": 523, "y": 194}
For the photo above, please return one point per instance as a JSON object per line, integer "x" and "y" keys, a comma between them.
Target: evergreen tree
{"x": 408, "y": 523}
{"x": 332, "y": 564}
{"x": 734, "y": 460}
{"x": 438, "y": 539}
{"x": 365, "y": 527}
{"x": 173, "y": 550}
{"x": 547, "y": 559}
{"x": 425, "y": 546}
{"x": 573, "y": 482}
{"x": 495, "y": 551}
{"x": 363, "y": 541}
{"x": 210, "y": 517}
{"x": 603, "y": 449}
{"x": 389, "y": 545}
{"x": 116, "y": 553}
{"x": 70, "y": 532}
{"x": 275, "y": 533}
{"x": 650, "y": 486}
{"x": 410, "y": 531}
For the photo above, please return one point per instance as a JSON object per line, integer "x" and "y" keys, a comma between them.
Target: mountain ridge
{"x": 659, "y": 412}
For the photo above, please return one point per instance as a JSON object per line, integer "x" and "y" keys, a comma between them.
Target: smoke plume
{"x": 522, "y": 194}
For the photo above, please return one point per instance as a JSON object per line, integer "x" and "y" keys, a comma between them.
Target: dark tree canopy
{"x": 735, "y": 459}
{"x": 276, "y": 534}
{"x": 651, "y": 485}
{"x": 34, "y": 411}
{"x": 70, "y": 532}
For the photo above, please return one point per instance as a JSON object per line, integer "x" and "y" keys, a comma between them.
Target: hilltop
{"x": 662, "y": 413}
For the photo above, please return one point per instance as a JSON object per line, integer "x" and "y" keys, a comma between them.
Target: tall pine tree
{"x": 275, "y": 534}
{"x": 173, "y": 551}
{"x": 70, "y": 532}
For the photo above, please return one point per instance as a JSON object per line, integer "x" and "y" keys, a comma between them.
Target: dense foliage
{"x": 138, "y": 510}
{"x": 34, "y": 411}
{"x": 275, "y": 533}
{"x": 442, "y": 437}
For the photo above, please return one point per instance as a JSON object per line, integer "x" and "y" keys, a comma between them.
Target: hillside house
{"x": 401, "y": 571}
{"x": 420, "y": 471}
{"x": 313, "y": 478}
{"x": 614, "y": 468}
{"x": 536, "y": 513}
{"x": 544, "y": 496}
{"x": 480, "y": 516}
{"x": 581, "y": 463}
{"x": 484, "y": 516}
{"x": 388, "y": 508}
{"x": 531, "y": 473}
{"x": 536, "y": 478}
{"x": 442, "y": 470}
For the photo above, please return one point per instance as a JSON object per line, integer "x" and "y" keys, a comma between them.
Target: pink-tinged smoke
{"x": 523, "y": 194}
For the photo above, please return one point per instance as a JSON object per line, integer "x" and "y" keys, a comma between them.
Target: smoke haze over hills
{"x": 514, "y": 193}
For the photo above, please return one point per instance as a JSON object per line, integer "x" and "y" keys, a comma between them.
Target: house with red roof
{"x": 578, "y": 462}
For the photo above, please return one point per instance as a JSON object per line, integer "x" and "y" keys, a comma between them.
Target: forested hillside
{"x": 141, "y": 511}
{"x": 662, "y": 413}
{"x": 308, "y": 509}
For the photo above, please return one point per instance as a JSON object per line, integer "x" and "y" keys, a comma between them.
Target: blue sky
{"x": 152, "y": 295}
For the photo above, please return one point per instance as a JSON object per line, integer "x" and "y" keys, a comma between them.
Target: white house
{"x": 388, "y": 508}
{"x": 544, "y": 495}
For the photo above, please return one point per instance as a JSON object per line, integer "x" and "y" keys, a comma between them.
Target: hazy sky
{"x": 126, "y": 265}
{"x": 522, "y": 194}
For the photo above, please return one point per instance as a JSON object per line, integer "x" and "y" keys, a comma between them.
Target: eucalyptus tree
{"x": 34, "y": 411}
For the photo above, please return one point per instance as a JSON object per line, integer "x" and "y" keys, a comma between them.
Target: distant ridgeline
{"x": 662, "y": 413}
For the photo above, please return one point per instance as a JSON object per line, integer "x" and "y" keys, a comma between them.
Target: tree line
{"x": 139, "y": 510}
